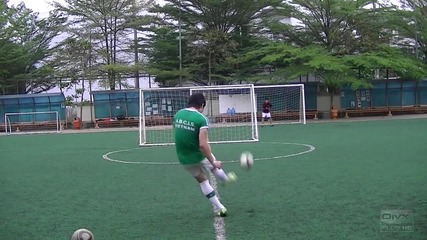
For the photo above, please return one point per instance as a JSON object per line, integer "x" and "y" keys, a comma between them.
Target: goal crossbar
{"x": 235, "y": 86}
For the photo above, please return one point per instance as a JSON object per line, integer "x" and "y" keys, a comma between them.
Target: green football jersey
{"x": 186, "y": 125}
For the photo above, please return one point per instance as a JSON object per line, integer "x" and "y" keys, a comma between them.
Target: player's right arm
{"x": 205, "y": 148}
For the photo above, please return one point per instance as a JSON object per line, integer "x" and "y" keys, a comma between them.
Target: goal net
{"x": 288, "y": 102}
{"x": 32, "y": 122}
{"x": 230, "y": 109}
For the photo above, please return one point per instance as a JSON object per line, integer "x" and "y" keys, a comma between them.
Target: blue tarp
{"x": 23, "y": 103}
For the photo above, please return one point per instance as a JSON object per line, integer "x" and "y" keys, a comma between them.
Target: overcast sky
{"x": 43, "y": 6}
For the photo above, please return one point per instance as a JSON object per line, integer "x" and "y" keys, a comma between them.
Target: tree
{"x": 406, "y": 66}
{"x": 209, "y": 49}
{"x": 13, "y": 62}
{"x": 341, "y": 26}
{"x": 111, "y": 21}
{"x": 335, "y": 71}
{"x": 74, "y": 65}
{"x": 162, "y": 53}
{"x": 339, "y": 41}
{"x": 214, "y": 31}
{"x": 295, "y": 61}
{"x": 410, "y": 23}
{"x": 25, "y": 45}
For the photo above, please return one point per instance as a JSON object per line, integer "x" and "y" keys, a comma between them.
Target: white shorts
{"x": 266, "y": 115}
{"x": 196, "y": 169}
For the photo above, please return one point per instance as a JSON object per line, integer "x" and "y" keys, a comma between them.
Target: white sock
{"x": 220, "y": 174}
{"x": 209, "y": 192}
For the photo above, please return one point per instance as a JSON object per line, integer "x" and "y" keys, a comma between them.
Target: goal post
{"x": 32, "y": 122}
{"x": 230, "y": 109}
{"x": 288, "y": 102}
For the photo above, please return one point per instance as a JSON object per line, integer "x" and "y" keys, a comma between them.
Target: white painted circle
{"x": 310, "y": 148}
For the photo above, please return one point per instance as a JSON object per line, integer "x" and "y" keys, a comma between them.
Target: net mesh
{"x": 287, "y": 102}
{"x": 230, "y": 110}
{"x": 233, "y": 111}
{"x": 32, "y": 122}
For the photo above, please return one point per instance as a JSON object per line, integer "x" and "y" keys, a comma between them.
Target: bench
{"x": 311, "y": 114}
{"x": 286, "y": 115}
{"x": 408, "y": 110}
{"x": 158, "y": 120}
{"x": 238, "y": 117}
{"x": 276, "y": 116}
{"x": 108, "y": 123}
{"x": 362, "y": 112}
{"x": 31, "y": 126}
{"x": 134, "y": 122}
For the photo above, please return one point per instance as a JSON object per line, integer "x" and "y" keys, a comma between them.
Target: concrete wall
{"x": 324, "y": 102}
{"x": 74, "y": 111}
{"x": 86, "y": 116}
{"x": 215, "y": 108}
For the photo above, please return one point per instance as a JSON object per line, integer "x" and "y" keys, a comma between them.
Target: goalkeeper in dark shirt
{"x": 266, "y": 112}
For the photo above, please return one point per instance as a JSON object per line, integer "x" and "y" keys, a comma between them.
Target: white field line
{"x": 219, "y": 223}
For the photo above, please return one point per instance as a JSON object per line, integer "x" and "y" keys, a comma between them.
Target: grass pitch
{"x": 51, "y": 185}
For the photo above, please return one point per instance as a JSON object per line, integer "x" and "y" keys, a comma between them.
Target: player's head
{"x": 197, "y": 101}
{"x": 266, "y": 100}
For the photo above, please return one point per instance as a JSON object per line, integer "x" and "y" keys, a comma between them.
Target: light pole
{"x": 180, "y": 45}
{"x": 135, "y": 40}
{"x": 416, "y": 35}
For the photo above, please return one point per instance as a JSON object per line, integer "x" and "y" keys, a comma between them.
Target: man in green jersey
{"x": 194, "y": 152}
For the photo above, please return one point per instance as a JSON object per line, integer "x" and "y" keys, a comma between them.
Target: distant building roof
{"x": 114, "y": 91}
{"x": 31, "y": 95}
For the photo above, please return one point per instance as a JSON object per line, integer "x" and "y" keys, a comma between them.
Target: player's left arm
{"x": 204, "y": 145}
{"x": 205, "y": 148}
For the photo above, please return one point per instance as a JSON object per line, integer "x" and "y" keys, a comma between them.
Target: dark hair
{"x": 197, "y": 100}
{"x": 267, "y": 99}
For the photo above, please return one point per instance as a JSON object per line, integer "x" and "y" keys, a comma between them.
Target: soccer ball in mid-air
{"x": 246, "y": 160}
{"x": 82, "y": 234}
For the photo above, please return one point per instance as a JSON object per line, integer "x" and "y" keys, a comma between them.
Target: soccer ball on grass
{"x": 82, "y": 234}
